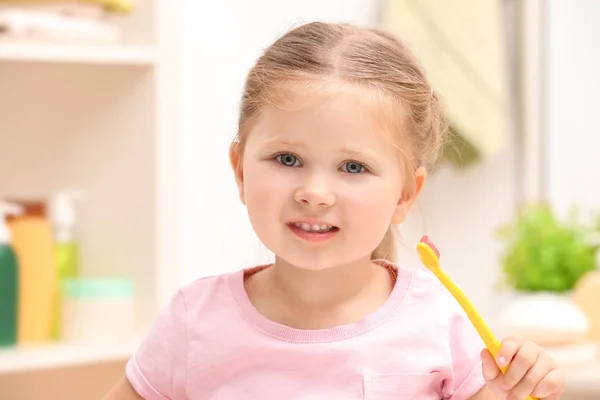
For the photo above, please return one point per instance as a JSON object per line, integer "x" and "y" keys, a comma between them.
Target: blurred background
{"x": 115, "y": 122}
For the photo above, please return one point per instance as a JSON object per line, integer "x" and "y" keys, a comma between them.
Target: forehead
{"x": 336, "y": 114}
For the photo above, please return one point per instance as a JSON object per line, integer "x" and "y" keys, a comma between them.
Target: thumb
{"x": 490, "y": 369}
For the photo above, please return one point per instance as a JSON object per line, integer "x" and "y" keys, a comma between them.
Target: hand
{"x": 532, "y": 372}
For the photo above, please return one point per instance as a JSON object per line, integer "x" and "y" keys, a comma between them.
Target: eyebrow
{"x": 291, "y": 143}
{"x": 359, "y": 153}
{"x": 283, "y": 142}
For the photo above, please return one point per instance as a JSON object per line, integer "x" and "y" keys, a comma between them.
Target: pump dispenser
{"x": 62, "y": 212}
{"x": 7, "y": 209}
{"x": 9, "y": 279}
{"x": 63, "y": 220}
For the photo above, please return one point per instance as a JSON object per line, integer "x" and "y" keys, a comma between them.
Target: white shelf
{"x": 35, "y": 358}
{"x": 584, "y": 379}
{"x": 134, "y": 55}
{"x": 107, "y": 121}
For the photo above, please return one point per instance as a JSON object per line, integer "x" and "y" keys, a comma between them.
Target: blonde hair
{"x": 365, "y": 58}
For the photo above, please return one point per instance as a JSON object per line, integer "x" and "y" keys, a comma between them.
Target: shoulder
{"x": 188, "y": 301}
{"x": 216, "y": 295}
{"x": 428, "y": 299}
{"x": 427, "y": 290}
{"x": 203, "y": 289}
{"x": 210, "y": 291}
{"x": 445, "y": 323}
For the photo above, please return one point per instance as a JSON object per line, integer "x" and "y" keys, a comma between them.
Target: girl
{"x": 337, "y": 128}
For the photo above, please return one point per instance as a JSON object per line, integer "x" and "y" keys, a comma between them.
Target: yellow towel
{"x": 461, "y": 46}
{"x": 117, "y": 6}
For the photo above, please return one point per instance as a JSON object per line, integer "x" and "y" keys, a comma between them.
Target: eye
{"x": 288, "y": 160}
{"x": 353, "y": 167}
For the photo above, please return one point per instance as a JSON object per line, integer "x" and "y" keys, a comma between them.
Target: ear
{"x": 235, "y": 159}
{"x": 406, "y": 202}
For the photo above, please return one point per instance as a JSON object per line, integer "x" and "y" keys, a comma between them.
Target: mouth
{"x": 313, "y": 228}
{"x": 313, "y": 231}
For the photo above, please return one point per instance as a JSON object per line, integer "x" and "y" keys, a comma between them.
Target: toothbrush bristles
{"x": 425, "y": 239}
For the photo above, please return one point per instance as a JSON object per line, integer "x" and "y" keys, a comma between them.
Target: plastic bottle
{"x": 87, "y": 302}
{"x": 63, "y": 219}
{"x": 586, "y": 295}
{"x": 33, "y": 244}
{"x": 9, "y": 279}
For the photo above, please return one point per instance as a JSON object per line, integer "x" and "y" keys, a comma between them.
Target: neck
{"x": 322, "y": 289}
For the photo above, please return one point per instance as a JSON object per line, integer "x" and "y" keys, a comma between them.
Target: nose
{"x": 315, "y": 193}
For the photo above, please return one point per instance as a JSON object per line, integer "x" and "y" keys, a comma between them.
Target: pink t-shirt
{"x": 211, "y": 343}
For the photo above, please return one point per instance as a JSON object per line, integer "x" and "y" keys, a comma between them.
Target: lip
{"x": 312, "y": 237}
{"x": 310, "y": 221}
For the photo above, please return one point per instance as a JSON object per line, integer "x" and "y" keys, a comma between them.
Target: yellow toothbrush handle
{"x": 486, "y": 334}
{"x": 491, "y": 342}
{"x": 429, "y": 255}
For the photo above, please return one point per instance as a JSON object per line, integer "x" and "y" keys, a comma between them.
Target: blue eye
{"x": 353, "y": 167}
{"x": 288, "y": 160}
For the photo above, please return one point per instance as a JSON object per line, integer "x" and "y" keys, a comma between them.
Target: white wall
{"x": 459, "y": 209}
{"x": 573, "y": 106}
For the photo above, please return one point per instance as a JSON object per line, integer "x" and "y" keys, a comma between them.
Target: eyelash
{"x": 278, "y": 156}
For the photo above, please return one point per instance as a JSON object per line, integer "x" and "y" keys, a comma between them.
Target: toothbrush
{"x": 429, "y": 255}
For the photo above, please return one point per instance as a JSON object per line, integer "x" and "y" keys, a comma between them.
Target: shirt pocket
{"x": 403, "y": 386}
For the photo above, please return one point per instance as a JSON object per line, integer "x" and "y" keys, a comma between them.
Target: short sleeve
{"x": 157, "y": 370}
{"x": 465, "y": 348}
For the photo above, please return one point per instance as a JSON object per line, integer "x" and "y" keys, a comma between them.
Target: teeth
{"x": 313, "y": 228}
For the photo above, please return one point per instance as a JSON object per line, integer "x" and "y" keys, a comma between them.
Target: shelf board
{"x": 34, "y": 358}
{"x": 132, "y": 55}
{"x": 584, "y": 379}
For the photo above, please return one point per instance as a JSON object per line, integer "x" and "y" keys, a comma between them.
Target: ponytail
{"x": 387, "y": 248}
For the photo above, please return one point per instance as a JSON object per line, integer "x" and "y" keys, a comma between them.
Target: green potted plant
{"x": 542, "y": 261}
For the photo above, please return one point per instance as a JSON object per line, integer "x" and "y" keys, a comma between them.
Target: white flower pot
{"x": 548, "y": 319}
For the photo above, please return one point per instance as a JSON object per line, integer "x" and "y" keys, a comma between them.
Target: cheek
{"x": 375, "y": 200}
{"x": 265, "y": 188}
{"x": 370, "y": 207}
{"x": 369, "y": 216}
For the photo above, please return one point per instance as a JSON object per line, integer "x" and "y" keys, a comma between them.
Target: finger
{"x": 489, "y": 366}
{"x": 491, "y": 374}
{"x": 550, "y": 386}
{"x": 532, "y": 378}
{"x": 519, "y": 366}
{"x": 508, "y": 349}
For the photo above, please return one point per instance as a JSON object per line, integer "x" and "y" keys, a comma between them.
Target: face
{"x": 321, "y": 185}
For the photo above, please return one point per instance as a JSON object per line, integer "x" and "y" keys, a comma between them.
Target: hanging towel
{"x": 461, "y": 46}
{"x": 57, "y": 26}
{"x": 117, "y": 6}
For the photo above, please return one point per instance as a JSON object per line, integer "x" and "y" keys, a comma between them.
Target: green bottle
{"x": 63, "y": 218}
{"x": 9, "y": 280}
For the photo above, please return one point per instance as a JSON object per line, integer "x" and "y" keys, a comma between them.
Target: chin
{"x": 315, "y": 262}
{"x": 307, "y": 262}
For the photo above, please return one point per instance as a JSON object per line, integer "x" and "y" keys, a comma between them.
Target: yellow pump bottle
{"x": 33, "y": 244}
